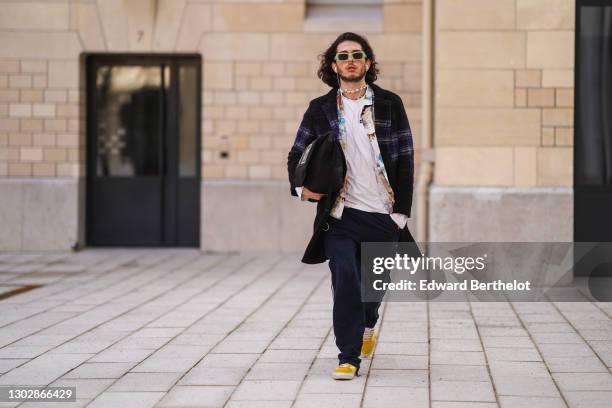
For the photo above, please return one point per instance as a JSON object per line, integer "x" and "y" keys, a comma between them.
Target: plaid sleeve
{"x": 305, "y": 135}
{"x": 405, "y": 163}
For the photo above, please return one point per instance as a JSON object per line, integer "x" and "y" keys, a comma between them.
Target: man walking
{"x": 374, "y": 204}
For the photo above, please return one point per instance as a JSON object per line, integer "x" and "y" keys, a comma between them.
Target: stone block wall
{"x": 259, "y": 72}
{"x": 504, "y": 92}
{"x": 503, "y": 131}
{"x": 503, "y": 104}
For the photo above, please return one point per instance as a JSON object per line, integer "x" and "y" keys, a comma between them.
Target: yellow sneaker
{"x": 345, "y": 371}
{"x": 368, "y": 343}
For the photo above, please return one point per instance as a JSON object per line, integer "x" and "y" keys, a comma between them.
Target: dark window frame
{"x": 590, "y": 201}
{"x": 173, "y": 60}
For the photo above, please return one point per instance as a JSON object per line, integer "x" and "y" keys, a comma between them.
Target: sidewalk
{"x": 179, "y": 328}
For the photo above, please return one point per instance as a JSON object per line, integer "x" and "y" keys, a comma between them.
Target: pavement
{"x": 180, "y": 328}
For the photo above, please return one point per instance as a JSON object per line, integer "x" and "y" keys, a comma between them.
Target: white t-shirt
{"x": 363, "y": 190}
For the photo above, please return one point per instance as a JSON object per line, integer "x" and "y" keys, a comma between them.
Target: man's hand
{"x": 309, "y": 194}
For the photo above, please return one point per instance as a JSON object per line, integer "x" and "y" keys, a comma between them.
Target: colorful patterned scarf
{"x": 367, "y": 118}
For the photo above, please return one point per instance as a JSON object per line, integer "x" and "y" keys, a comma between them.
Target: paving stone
{"x": 507, "y": 342}
{"x": 301, "y": 332}
{"x": 512, "y": 354}
{"x": 463, "y": 404}
{"x": 195, "y": 396}
{"x": 400, "y": 362}
{"x": 288, "y": 356}
{"x": 28, "y": 352}
{"x": 121, "y": 356}
{"x": 142, "y": 343}
{"x": 99, "y": 370}
{"x": 278, "y": 371}
{"x": 404, "y": 326}
{"x": 455, "y": 345}
{"x": 146, "y": 382}
{"x": 453, "y": 372}
{"x": 530, "y": 402}
{"x": 297, "y": 343}
{"x": 79, "y": 403}
{"x": 181, "y": 351}
{"x": 376, "y": 397}
{"x": 603, "y": 349}
{"x": 259, "y": 404}
{"x": 462, "y": 391}
{"x": 214, "y": 376}
{"x": 43, "y": 370}
{"x": 228, "y": 360}
{"x": 42, "y": 340}
{"x": 318, "y": 325}
{"x": 235, "y": 347}
{"x": 398, "y": 378}
{"x": 415, "y": 349}
{"x": 453, "y": 333}
{"x": 165, "y": 365}
{"x": 324, "y": 401}
{"x": 583, "y": 381}
{"x": 79, "y": 347}
{"x": 519, "y": 369}
{"x": 328, "y": 352}
{"x": 85, "y": 388}
{"x": 388, "y": 335}
{"x": 491, "y": 331}
{"x": 563, "y": 327}
{"x": 7, "y": 364}
{"x": 126, "y": 399}
{"x": 322, "y": 383}
{"x": 565, "y": 350}
{"x": 588, "y": 399}
{"x": 458, "y": 357}
{"x": 265, "y": 390}
{"x": 603, "y": 334}
{"x": 197, "y": 339}
{"x": 552, "y": 317}
{"x": 525, "y": 386}
{"x": 575, "y": 364}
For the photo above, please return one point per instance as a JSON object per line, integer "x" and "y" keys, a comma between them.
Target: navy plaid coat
{"x": 395, "y": 142}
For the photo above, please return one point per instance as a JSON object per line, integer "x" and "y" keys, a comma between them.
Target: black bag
{"x": 322, "y": 166}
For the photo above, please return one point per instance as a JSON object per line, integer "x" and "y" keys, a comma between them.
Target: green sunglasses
{"x": 354, "y": 55}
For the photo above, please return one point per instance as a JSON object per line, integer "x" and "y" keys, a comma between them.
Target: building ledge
{"x": 339, "y": 18}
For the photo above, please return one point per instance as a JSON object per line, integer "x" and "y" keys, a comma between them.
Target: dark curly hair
{"x": 327, "y": 74}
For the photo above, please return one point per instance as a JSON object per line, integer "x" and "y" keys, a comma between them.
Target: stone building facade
{"x": 504, "y": 82}
{"x": 498, "y": 137}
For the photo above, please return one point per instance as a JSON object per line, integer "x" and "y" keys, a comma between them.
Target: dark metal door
{"x": 143, "y": 144}
{"x": 593, "y": 122}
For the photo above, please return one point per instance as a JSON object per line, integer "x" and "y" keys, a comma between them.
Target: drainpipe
{"x": 427, "y": 153}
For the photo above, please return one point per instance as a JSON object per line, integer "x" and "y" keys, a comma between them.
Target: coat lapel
{"x": 382, "y": 114}
{"x": 331, "y": 111}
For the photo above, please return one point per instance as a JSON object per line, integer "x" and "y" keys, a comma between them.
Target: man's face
{"x": 351, "y": 70}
